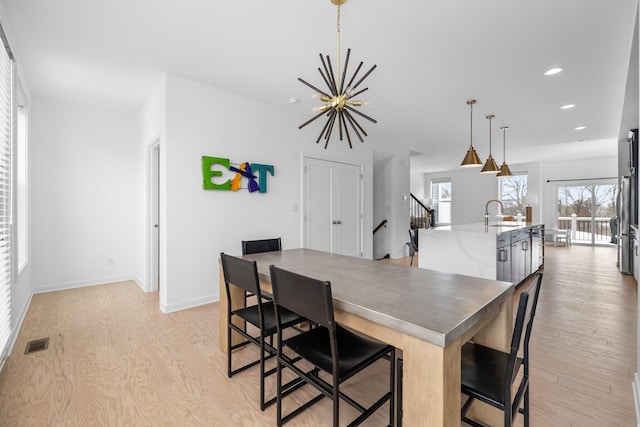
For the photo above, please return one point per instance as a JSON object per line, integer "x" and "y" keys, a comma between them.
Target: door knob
{"x": 336, "y": 222}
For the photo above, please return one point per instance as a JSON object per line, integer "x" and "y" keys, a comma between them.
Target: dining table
{"x": 426, "y": 314}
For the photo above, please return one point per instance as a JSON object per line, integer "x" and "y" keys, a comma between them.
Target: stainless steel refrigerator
{"x": 626, "y": 201}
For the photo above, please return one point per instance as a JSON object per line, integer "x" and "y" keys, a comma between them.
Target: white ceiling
{"x": 431, "y": 57}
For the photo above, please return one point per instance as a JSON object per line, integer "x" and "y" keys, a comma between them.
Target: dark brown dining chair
{"x": 328, "y": 348}
{"x": 488, "y": 375}
{"x": 244, "y": 274}
{"x": 264, "y": 245}
{"x": 412, "y": 243}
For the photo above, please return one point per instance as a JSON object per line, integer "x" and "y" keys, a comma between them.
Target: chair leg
{"x": 399, "y": 392}
{"x": 392, "y": 386}
{"x": 262, "y": 374}
{"x": 526, "y": 408}
{"x": 228, "y": 349}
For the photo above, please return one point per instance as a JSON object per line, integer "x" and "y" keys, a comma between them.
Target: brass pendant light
{"x": 471, "y": 160}
{"x": 490, "y": 165}
{"x": 504, "y": 169}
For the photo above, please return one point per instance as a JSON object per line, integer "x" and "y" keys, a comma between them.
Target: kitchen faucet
{"x": 486, "y": 210}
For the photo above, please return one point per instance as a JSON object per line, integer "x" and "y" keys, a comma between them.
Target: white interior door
{"x": 333, "y": 207}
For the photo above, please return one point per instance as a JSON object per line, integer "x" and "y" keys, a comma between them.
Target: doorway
{"x": 153, "y": 222}
{"x": 332, "y": 214}
{"x": 587, "y": 210}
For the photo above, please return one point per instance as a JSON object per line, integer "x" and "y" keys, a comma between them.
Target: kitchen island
{"x": 504, "y": 250}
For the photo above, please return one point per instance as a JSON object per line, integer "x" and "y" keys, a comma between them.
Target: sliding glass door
{"x": 587, "y": 210}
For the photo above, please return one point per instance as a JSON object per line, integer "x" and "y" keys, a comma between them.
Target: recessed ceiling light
{"x": 580, "y": 127}
{"x": 568, "y": 106}
{"x": 552, "y": 71}
{"x": 294, "y": 100}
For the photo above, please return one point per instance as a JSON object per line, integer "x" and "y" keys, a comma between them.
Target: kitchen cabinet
{"x": 537, "y": 248}
{"x": 636, "y": 257}
{"x": 503, "y": 257}
{"x": 520, "y": 255}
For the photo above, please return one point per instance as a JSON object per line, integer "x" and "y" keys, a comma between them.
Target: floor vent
{"x": 37, "y": 345}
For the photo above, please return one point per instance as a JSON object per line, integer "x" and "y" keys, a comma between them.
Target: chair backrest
{"x": 240, "y": 272}
{"x": 264, "y": 245}
{"x": 413, "y": 239}
{"x": 307, "y": 297}
{"x": 524, "y": 318}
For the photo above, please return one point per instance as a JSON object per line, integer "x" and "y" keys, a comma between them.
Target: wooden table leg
{"x": 238, "y": 299}
{"x": 431, "y": 384}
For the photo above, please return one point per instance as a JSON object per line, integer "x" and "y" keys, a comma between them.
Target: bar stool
{"x": 489, "y": 374}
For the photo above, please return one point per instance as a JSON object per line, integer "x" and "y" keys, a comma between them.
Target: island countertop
{"x": 494, "y": 228}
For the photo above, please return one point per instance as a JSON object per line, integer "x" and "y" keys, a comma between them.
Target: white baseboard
{"x": 81, "y": 284}
{"x": 189, "y": 304}
{"x": 16, "y": 329}
{"x": 635, "y": 385}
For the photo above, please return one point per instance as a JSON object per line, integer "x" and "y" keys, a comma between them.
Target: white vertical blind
{"x": 6, "y": 103}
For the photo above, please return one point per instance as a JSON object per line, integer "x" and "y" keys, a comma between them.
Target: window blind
{"x": 6, "y": 103}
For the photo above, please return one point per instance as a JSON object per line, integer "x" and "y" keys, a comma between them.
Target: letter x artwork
{"x": 219, "y": 174}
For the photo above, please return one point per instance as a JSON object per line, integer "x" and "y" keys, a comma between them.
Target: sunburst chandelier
{"x": 339, "y": 101}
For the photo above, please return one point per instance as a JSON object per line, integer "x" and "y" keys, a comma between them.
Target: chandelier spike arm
{"x": 322, "y": 113}
{"x": 357, "y": 93}
{"x": 355, "y": 129}
{"x": 321, "y": 92}
{"x": 364, "y": 77}
{"x": 326, "y": 80}
{"x": 355, "y": 125}
{"x": 332, "y": 77}
{"x": 324, "y": 128}
{"x": 346, "y": 129}
{"x": 344, "y": 72}
{"x": 361, "y": 114}
{"x": 331, "y": 84}
{"x": 340, "y": 125}
{"x": 332, "y": 121}
{"x": 354, "y": 75}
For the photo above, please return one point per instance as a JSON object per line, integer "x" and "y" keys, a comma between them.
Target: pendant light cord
{"x": 471, "y": 123}
{"x": 338, "y": 28}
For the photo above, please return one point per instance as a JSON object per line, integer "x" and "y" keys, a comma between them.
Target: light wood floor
{"x": 114, "y": 359}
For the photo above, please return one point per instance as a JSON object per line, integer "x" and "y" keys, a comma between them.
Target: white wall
{"x": 419, "y": 187}
{"x": 382, "y": 179}
{"x": 84, "y": 168}
{"x": 197, "y": 224}
{"x": 471, "y": 189}
{"x": 391, "y": 189}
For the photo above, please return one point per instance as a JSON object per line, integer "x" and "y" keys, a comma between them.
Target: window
{"x": 512, "y": 191}
{"x": 6, "y": 108}
{"x": 20, "y": 198}
{"x": 441, "y": 196}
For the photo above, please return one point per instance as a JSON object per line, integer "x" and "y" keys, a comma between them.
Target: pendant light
{"x": 471, "y": 160}
{"x": 504, "y": 169}
{"x": 490, "y": 165}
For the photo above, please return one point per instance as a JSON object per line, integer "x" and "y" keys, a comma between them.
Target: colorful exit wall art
{"x": 219, "y": 174}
